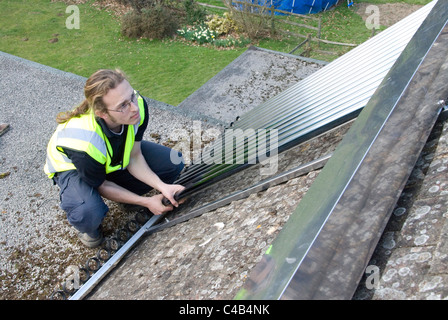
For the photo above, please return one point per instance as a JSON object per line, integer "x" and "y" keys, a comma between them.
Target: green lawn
{"x": 167, "y": 71}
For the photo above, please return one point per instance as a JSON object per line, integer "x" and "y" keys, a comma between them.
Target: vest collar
{"x": 106, "y": 130}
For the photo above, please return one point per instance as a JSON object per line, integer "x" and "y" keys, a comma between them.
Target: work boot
{"x": 89, "y": 241}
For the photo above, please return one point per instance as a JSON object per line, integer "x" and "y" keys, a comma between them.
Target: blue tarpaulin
{"x": 296, "y": 6}
{"x": 304, "y": 6}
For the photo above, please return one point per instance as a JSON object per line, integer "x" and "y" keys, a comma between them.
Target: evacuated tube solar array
{"x": 334, "y": 94}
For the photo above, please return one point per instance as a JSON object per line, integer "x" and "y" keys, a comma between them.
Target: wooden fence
{"x": 315, "y": 34}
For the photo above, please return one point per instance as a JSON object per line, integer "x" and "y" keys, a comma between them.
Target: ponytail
{"x": 63, "y": 117}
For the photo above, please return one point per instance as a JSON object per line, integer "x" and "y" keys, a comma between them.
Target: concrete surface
{"x": 252, "y": 78}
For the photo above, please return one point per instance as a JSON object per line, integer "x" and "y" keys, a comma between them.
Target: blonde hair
{"x": 96, "y": 87}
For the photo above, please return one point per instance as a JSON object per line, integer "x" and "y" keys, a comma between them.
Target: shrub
{"x": 131, "y": 24}
{"x": 222, "y": 25}
{"x": 138, "y": 5}
{"x": 255, "y": 22}
{"x": 155, "y": 22}
{"x": 194, "y": 13}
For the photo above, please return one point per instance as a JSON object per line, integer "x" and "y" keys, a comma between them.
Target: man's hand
{"x": 169, "y": 190}
{"x": 154, "y": 204}
{"x": 139, "y": 168}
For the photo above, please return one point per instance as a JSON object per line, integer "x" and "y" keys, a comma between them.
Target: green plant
{"x": 200, "y": 34}
{"x": 131, "y": 24}
{"x": 194, "y": 13}
{"x": 204, "y": 35}
{"x": 222, "y": 25}
{"x": 156, "y": 22}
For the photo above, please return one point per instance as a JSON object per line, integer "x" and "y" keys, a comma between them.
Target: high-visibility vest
{"x": 86, "y": 135}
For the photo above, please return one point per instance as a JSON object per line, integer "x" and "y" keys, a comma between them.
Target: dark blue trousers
{"x": 84, "y": 205}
